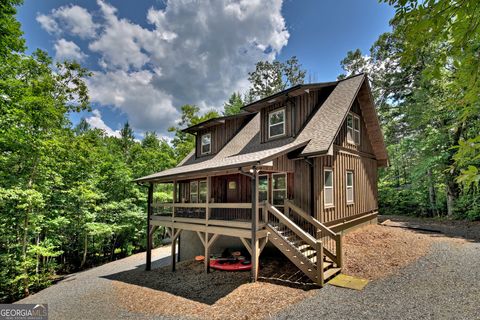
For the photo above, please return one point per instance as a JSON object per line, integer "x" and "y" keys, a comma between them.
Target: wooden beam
{"x": 207, "y": 254}
{"x": 202, "y": 237}
{"x": 148, "y": 263}
{"x": 263, "y": 243}
{"x": 254, "y": 239}
{"x": 247, "y": 245}
{"x": 212, "y": 240}
{"x": 174, "y": 247}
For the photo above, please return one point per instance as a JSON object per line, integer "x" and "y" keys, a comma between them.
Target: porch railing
{"x": 331, "y": 241}
{"x": 210, "y": 211}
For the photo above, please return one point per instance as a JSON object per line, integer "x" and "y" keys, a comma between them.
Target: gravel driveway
{"x": 444, "y": 284}
{"x": 89, "y": 294}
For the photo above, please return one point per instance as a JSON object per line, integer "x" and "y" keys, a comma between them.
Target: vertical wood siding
{"x": 364, "y": 184}
{"x": 221, "y": 134}
{"x": 297, "y": 111}
{"x": 341, "y": 139}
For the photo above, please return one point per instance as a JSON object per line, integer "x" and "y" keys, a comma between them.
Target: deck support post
{"x": 148, "y": 264}
{"x": 174, "y": 247}
{"x": 320, "y": 275}
{"x": 207, "y": 254}
{"x": 254, "y": 245}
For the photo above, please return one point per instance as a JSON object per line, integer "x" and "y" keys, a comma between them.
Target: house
{"x": 295, "y": 169}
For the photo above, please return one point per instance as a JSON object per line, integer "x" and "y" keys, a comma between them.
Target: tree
{"x": 233, "y": 105}
{"x": 183, "y": 142}
{"x": 272, "y": 77}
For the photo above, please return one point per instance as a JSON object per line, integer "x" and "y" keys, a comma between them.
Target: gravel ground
{"x": 90, "y": 294}
{"x": 444, "y": 284}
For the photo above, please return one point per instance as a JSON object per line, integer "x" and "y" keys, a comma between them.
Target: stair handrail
{"x": 310, "y": 219}
{"x": 337, "y": 257}
{"x": 291, "y": 225}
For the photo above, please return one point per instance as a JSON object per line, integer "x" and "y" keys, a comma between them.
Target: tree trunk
{"x": 432, "y": 193}
{"x": 85, "y": 250}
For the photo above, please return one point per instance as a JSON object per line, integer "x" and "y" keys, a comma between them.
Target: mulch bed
{"x": 191, "y": 292}
{"x": 371, "y": 252}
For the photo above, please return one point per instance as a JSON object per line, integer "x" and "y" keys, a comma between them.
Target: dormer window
{"x": 206, "y": 143}
{"x": 276, "y": 123}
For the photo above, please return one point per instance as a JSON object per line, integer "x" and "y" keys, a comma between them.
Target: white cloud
{"x": 68, "y": 50}
{"x": 192, "y": 52}
{"x": 147, "y": 107}
{"x": 96, "y": 121}
{"x": 72, "y": 19}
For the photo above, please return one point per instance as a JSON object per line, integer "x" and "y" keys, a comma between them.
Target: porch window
{"x": 276, "y": 123}
{"x": 353, "y": 128}
{"x": 349, "y": 187}
{"x": 206, "y": 143}
{"x": 202, "y": 193}
{"x": 328, "y": 187}
{"x": 279, "y": 189}
{"x": 263, "y": 188}
{"x": 194, "y": 191}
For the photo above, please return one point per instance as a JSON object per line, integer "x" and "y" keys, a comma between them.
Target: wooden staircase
{"x": 305, "y": 246}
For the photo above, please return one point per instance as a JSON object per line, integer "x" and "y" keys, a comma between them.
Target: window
{"x": 276, "y": 123}
{"x": 279, "y": 189}
{"x": 194, "y": 191}
{"x": 263, "y": 188}
{"x": 206, "y": 143}
{"x": 353, "y": 128}
{"x": 202, "y": 191}
{"x": 349, "y": 187}
{"x": 328, "y": 187}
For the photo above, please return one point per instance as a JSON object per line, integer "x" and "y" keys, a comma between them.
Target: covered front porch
{"x": 228, "y": 203}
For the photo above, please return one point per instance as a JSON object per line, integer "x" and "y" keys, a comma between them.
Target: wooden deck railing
{"x": 331, "y": 241}
{"x": 208, "y": 211}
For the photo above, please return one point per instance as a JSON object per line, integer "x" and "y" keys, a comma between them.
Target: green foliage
{"x": 183, "y": 142}
{"x": 67, "y": 200}
{"x": 233, "y": 105}
{"x": 272, "y": 77}
{"x": 424, "y": 77}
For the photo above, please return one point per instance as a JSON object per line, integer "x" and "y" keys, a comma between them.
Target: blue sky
{"x": 151, "y": 57}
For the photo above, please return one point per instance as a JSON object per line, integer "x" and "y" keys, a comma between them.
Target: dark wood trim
{"x": 148, "y": 264}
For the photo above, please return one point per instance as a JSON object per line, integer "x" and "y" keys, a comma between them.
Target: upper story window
{"x": 276, "y": 123}
{"x": 349, "y": 187}
{"x": 328, "y": 187}
{"x": 206, "y": 143}
{"x": 353, "y": 128}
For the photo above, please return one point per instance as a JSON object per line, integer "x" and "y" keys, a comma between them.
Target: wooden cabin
{"x": 295, "y": 169}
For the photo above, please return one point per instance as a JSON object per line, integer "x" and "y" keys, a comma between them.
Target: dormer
{"x": 284, "y": 114}
{"x": 213, "y": 134}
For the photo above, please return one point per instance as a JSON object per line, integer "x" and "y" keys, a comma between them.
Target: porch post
{"x": 254, "y": 245}
{"x": 148, "y": 264}
{"x": 207, "y": 217}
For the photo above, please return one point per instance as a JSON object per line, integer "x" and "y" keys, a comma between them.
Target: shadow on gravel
{"x": 188, "y": 281}
{"x": 191, "y": 282}
{"x": 466, "y": 230}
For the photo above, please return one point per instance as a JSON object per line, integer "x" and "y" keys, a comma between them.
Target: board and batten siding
{"x": 297, "y": 111}
{"x": 221, "y": 134}
{"x": 341, "y": 139}
{"x": 364, "y": 186}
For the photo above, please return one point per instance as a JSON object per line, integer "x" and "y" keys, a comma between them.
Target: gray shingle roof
{"x": 246, "y": 149}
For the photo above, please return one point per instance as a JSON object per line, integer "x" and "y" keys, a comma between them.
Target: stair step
{"x": 331, "y": 272}
{"x": 304, "y": 247}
